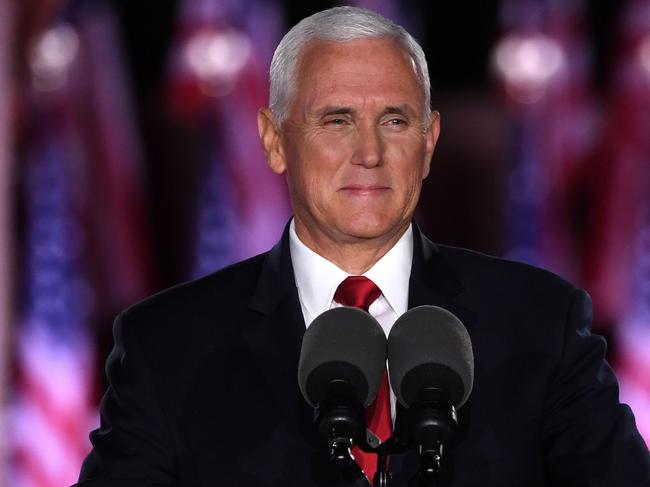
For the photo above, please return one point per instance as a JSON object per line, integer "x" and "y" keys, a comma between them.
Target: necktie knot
{"x": 357, "y": 291}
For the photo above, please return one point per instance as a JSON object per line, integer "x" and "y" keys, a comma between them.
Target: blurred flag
{"x": 53, "y": 405}
{"x": 116, "y": 217}
{"x": 7, "y": 268}
{"x": 544, "y": 63}
{"x": 216, "y": 236}
{"x": 219, "y": 80}
{"x": 619, "y": 263}
{"x": 568, "y": 141}
{"x": 633, "y": 360}
{"x": 85, "y": 246}
{"x": 526, "y": 59}
{"x": 620, "y": 175}
{"x": 578, "y": 191}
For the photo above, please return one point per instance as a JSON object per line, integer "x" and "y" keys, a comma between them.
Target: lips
{"x": 364, "y": 189}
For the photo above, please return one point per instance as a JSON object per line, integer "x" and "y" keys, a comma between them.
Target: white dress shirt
{"x": 317, "y": 280}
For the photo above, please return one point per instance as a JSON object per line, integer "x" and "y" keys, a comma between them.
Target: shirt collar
{"x": 392, "y": 272}
{"x": 317, "y": 278}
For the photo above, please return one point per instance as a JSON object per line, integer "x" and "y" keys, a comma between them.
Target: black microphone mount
{"x": 431, "y": 423}
{"x": 340, "y": 421}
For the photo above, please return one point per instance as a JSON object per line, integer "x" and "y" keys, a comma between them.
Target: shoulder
{"x": 474, "y": 267}
{"x": 514, "y": 286}
{"x": 193, "y": 304}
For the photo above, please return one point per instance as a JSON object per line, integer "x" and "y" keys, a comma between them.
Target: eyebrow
{"x": 334, "y": 110}
{"x": 404, "y": 110}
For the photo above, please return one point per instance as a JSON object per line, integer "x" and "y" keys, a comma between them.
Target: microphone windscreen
{"x": 344, "y": 344}
{"x": 429, "y": 347}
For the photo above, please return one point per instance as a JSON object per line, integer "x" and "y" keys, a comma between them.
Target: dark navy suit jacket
{"x": 203, "y": 388}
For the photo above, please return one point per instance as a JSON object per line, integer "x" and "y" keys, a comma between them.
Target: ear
{"x": 431, "y": 139}
{"x": 271, "y": 139}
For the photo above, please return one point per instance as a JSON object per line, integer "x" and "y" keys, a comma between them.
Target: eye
{"x": 336, "y": 121}
{"x": 396, "y": 122}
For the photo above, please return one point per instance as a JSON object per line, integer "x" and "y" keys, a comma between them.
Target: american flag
{"x": 216, "y": 224}
{"x": 7, "y": 91}
{"x": 218, "y": 81}
{"x": 633, "y": 363}
{"x": 567, "y": 139}
{"x": 621, "y": 261}
{"x": 544, "y": 61}
{"x": 522, "y": 22}
{"x": 107, "y": 121}
{"x": 85, "y": 248}
{"x": 620, "y": 173}
{"x": 52, "y": 407}
{"x": 578, "y": 193}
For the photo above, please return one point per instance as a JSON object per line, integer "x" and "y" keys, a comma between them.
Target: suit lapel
{"x": 276, "y": 339}
{"x": 276, "y": 336}
{"x": 433, "y": 282}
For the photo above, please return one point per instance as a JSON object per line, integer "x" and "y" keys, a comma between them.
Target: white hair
{"x": 338, "y": 24}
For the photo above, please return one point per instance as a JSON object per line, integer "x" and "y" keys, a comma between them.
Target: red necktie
{"x": 361, "y": 292}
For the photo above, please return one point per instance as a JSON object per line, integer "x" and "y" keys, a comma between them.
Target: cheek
{"x": 308, "y": 179}
{"x": 329, "y": 153}
{"x": 407, "y": 167}
{"x": 319, "y": 162}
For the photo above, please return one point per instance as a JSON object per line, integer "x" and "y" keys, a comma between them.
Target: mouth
{"x": 364, "y": 189}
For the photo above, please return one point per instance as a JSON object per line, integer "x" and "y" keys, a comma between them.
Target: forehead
{"x": 371, "y": 69}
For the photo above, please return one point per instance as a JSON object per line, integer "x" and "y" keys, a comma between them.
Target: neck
{"x": 354, "y": 255}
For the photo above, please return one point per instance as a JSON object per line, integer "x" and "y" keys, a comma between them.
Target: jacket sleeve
{"x": 133, "y": 445}
{"x": 591, "y": 438}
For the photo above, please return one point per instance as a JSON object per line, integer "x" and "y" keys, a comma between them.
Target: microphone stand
{"x": 341, "y": 421}
{"x": 432, "y": 423}
{"x": 391, "y": 446}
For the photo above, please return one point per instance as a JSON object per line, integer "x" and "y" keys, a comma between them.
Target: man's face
{"x": 354, "y": 146}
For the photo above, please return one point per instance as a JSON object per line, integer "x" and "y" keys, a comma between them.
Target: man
{"x": 203, "y": 387}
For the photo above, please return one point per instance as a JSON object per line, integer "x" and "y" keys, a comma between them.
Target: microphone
{"x": 342, "y": 360}
{"x": 431, "y": 368}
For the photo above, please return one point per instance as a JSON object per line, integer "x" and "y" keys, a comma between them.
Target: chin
{"x": 369, "y": 227}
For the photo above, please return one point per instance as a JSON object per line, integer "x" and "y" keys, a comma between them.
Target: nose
{"x": 369, "y": 149}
